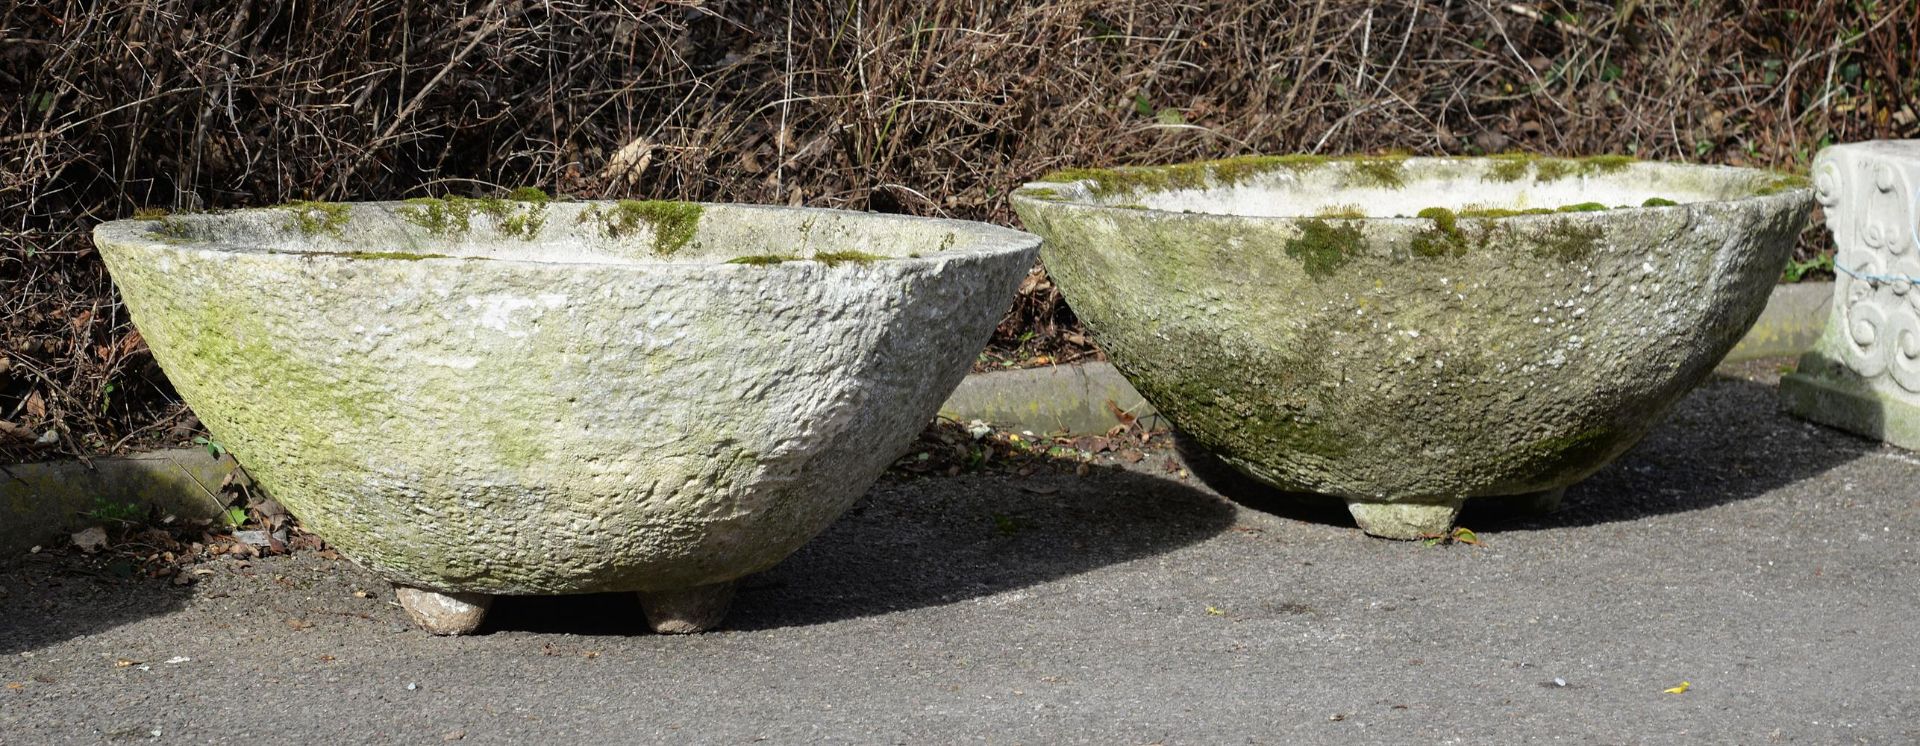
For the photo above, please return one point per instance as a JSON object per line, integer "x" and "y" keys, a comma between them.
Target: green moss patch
{"x": 763, "y": 260}
{"x": 1782, "y": 182}
{"x": 1510, "y": 167}
{"x": 520, "y": 215}
{"x": 1343, "y": 212}
{"x": 1386, "y": 172}
{"x": 832, "y": 258}
{"x": 1324, "y": 247}
{"x": 315, "y": 218}
{"x": 1443, "y": 239}
{"x": 1220, "y": 173}
{"x": 1658, "y": 202}
{"x": 402, "y": 256}
{"x": 672, "y": 223}
{"x": 1568, "y": 241}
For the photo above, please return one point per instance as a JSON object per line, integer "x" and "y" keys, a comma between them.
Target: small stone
{"x": 91, "y": 539}
{"x": 412, "y": 686}
{"x": 254, "y": 538}
{"x": 1557, "y": 681}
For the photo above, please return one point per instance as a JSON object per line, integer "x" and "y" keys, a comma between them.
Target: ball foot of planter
{"x": 537, "y": 397}
{"x": 1408, "y": 333}
{"x": 444, "y": 613}
{"x": 1404, "y": 520}
{"x": 688, "y": 610}
{"x": 1543, "y": 502}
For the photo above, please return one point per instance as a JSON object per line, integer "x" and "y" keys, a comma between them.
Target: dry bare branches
{"x": 934, "y": 107}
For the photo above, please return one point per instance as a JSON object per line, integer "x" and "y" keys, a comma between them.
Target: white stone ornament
{"x": 1864, "y": 373}
{"x": 496, "y": 397}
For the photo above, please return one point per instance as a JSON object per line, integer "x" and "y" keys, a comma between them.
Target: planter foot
{"x": 1538, "y": 503}
{"x": 687, "y": 610}
{"x": 1406, "y": 521}
{"x": 444, "y": 613}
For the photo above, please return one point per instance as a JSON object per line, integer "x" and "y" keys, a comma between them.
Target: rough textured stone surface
{"x": 1864, "y": 373}
{"x": 540, "y": 398}
{"x": 444, "y": 613}
{"x": 1297, "y": 318}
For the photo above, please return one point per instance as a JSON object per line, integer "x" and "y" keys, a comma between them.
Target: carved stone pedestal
{"x": 1864, "y": 374}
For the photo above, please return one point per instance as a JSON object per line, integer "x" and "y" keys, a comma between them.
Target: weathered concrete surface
{"x": 1074, "y": 397}
{"x": 1056, "y": 398}
{"x": 39, "y": 503}
{"x": 1042, "y": 400}
{"x": 1298, "y": 321}
{"x": 1864, "y": 373}
{"x": 523, "y": 397}
{"x": 1790, "y": 324}
{"x": 1765, "y": 560}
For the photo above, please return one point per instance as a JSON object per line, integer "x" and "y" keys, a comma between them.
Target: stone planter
{"x": 1407, "y": 333}
{"x": 483, "y": 397}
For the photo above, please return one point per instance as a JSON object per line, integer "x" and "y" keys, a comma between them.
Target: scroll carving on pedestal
{"x": 1864, "y": 375}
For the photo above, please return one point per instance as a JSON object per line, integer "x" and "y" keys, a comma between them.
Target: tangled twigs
{"x": 931, "y": 108}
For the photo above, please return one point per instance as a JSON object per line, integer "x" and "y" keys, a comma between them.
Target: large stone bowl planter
{"x": 483, "y": 397}
{"x": 1407, "y": 333}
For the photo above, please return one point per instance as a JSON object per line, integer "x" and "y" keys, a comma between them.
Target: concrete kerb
{"x": 40, "y": 502}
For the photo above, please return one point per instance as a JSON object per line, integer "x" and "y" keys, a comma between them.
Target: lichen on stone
{"x": 1323, "y": 247}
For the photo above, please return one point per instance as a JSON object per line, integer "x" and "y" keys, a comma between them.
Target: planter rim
{"x": 979, "y": 239}
{"x": 1076, "y": 189}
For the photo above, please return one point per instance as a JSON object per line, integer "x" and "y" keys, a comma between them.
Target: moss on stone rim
{"x": 1323, "y": 247}
{"x": 1509, "y": 167}
{"x": 1444, "y": 239}
{"x": 672, "y": 223}
{"x": 314, "y": 218}
{"x": 1568, "y": 241}
{"x": 1384, "y": 171}
{"x": 763, "y": 260}
{"x": 521, "y": 214}
{"x": 834, "y": 258}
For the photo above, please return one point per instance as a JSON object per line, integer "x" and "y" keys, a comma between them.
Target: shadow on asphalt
{"x": 48, "y": 598}
{"x": 922, "y": 542}
{"x": 1725, "y": 442}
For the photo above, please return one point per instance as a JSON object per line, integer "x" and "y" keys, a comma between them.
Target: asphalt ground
{"x": 1768, "y": 563}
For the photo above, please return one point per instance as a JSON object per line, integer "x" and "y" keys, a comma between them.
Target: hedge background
{"x": 933, "y": 108}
